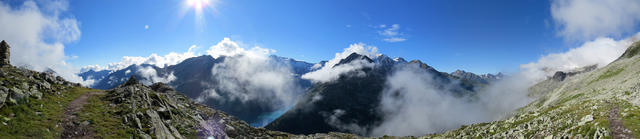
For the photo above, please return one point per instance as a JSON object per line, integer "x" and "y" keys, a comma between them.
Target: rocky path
{"x": 618, "y": 131}
{"x": 72, "y": 127}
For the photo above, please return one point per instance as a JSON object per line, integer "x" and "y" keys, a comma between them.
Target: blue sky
{"x": 477, "y": 36}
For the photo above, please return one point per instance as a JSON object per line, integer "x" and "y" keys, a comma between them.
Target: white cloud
{"x": 209, "y": 93}
{"x": 394, "y": 39}
{"x": 588, "y": 19}
{"x": 601, "y": 51}
{"x": 333, "y": 119}
{"x": 146, "y": 27}
{"x": 153, "y": 59}
{"x": 330, "y": 72}
{"x": 37, "y": 33}
{"x": 226, "y": 47}
{"x": 150, "y": 76}
{"x": 391, "y": 34}
{"x": 413, "y": 105}
{"x": 251, "y": 75}
{"x": 391, "y": 31}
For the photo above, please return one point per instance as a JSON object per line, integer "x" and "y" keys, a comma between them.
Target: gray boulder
{"x": 3, "y": 97}
{"x": 15, "y": 95}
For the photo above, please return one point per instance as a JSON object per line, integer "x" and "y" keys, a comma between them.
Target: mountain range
{"x": 587, "y": 102}
{"x": 194, "y": 77}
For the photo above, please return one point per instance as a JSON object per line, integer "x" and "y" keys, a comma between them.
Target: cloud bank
{"x": 330, "y": 72}
{"x": 154, "y": 59}
{"x": 150, "y": 76}
{"x": 37, "y": 33}
{"x": 226, "y": 47}
{"x": 600, "y": 51}
{"x": 413, "y": 105}
{"x": 588, "y": 19}
{"x": 251, "y": 75}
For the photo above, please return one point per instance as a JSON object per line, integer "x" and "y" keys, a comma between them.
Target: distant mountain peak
{"x": 422, "y": 65}
{"x": 476, "y": 77}
{"x": 399, "y": 59}
{"x": 353, "y": 57}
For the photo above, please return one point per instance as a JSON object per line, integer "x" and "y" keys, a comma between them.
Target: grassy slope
{"x": 103, "y": 118}
{"x": 561, "y": 112}
{"x": 37, "y": 117}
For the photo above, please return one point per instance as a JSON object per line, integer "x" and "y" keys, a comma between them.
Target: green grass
{"x": 632, "y": 50}
{"x": 610, "y": 73}
{"x": 27, "y": 124}
{"x": 103, "y": 118}
{"x": 631, "y": 119}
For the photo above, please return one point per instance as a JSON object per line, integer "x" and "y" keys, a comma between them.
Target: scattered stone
{"x": 3, "y": 97}
{"x": 85, "y": 123}
{"x": 586, "y": 119}
{"x": 16, "y": 94}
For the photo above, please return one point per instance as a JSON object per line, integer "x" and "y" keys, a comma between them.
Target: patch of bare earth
{"x": 73, "y": 128}
{"x": 618, "y": 131}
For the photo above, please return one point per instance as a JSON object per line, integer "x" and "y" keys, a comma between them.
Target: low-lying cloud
{"x": 150, "y": 76}
{"x": 600, "y": 51}
{"x": 413, "y": 106}
{"x": 330, "y": 72}
{"x": 154, "y": 59}
{"x": 333, "y": 119}
{"x": 251, "y": 75}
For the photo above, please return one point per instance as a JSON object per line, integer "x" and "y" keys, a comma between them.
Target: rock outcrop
{"x": 561, "y": 75}
{"x": 19, "y": 83}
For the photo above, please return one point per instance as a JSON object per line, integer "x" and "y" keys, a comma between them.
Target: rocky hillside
{"x": 193, "y": 77}
{"x": 603, "y": 103}
{"x": 54, "y": 108}
{"x": 160, "y": 112}
{"x": 16, "y": 84}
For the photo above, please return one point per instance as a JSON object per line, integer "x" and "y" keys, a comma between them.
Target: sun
{"x": 197, "y": 4}
{"x": 200, "y": 9}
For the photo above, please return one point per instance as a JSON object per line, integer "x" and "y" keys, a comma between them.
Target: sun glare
{"x": 197, "y": 4}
